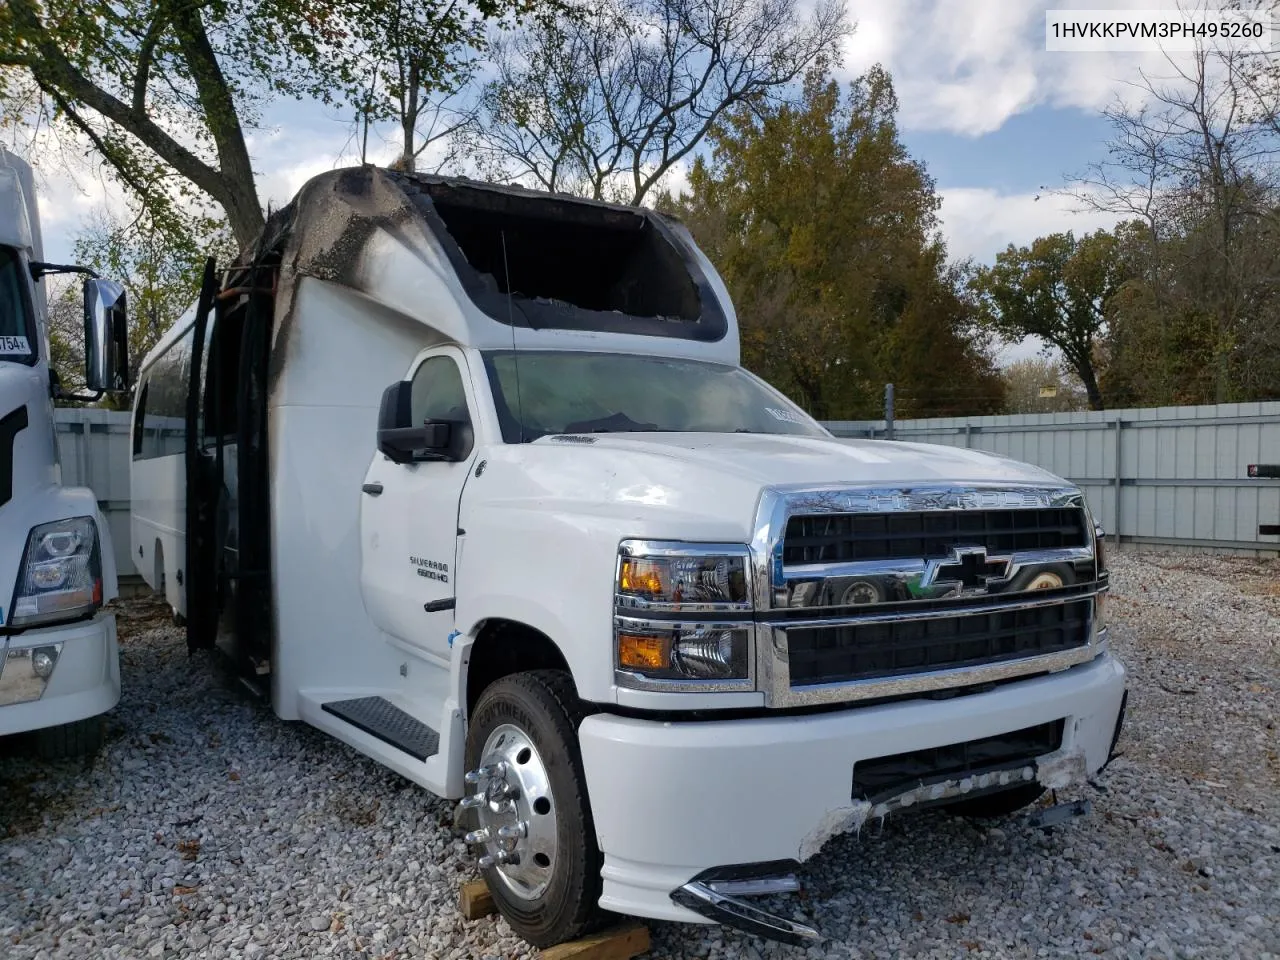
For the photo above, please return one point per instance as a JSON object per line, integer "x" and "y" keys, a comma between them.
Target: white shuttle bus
{"x": 471, "y": 478}
{"x": 59, "y": 665}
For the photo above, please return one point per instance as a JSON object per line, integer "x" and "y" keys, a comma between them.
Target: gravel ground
{"x": 209, "y": 828}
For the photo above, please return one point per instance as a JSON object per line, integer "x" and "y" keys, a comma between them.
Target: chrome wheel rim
{"x": 516, "y": 813}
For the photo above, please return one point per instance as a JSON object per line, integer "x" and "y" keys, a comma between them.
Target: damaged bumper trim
{"x": 716, "y": 894}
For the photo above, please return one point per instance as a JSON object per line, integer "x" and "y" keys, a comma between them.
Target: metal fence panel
{"x": 94, "y": 447}
{"x": 1171, "y": 476}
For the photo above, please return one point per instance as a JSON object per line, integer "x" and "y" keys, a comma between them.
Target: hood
{"x": 773, "y": 459}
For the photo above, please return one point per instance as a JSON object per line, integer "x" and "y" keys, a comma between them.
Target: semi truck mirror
{"x": 106, "y": 336}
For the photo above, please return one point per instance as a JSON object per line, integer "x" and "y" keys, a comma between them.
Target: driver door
{"x": 409, "y": 518}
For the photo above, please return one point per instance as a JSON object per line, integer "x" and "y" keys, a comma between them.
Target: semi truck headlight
{"x": 682, "y": 576}
{"x": 61, "y": 573}
{"x": 704, "y": 651}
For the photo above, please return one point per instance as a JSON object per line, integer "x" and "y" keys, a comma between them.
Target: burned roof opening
{"x": 569, "y": 263}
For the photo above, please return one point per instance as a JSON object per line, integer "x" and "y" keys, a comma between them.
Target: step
{"x": 379, "y": 717}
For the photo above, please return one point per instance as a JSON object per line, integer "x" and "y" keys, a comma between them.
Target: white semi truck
{"x": 59, "y": 667}
{"x": 471, "y": 478}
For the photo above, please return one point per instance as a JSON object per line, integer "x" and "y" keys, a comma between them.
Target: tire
{"x": 83, "y": 738}
{"x": 996, "y": 805}
{"x": 543, "y": 706}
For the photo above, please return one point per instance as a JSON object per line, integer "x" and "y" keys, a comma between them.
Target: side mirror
{"x": 106, "y": 337}
{"x": 402, "y": 442}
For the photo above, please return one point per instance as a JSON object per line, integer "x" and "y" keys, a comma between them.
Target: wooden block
{"x": 622, "y": 942}
{"x": 475, "y": 900}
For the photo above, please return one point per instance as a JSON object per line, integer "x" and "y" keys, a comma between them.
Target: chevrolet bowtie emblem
{"x": 967, "y": 570}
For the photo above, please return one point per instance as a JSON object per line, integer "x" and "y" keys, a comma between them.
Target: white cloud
{"x": 967, "y": 66}
{"x": 979, "y": 222}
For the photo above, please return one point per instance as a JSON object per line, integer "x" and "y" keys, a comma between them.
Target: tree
{"x": 161, "y": 275}
{"x": 825, "y": 231}
{"x": 164, "y": 91}
{"x": 1040, "y": 385}
{"x": 1197, "y": 165}
{"x": 605, "y": 99}
{"x": 1057, "y": 289}
{"x": 420, "y": 59}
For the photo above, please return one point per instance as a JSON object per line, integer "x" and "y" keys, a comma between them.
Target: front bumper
{"x": 673, "y": 800}
{"x": 81, "y": 667}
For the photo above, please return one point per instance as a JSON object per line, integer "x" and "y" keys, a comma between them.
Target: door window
{"x": 437, "y": 392}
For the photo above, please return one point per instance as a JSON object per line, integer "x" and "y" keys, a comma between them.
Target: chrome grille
{"x": 925, "y": 535}
{"x": 859, "y": 651}
{"x": 867, "y": 592}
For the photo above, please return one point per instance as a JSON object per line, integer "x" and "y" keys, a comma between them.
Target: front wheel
{"x": 531, "y": 818}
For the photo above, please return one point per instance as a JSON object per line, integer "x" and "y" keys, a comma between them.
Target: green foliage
{"x": 1057, "y": 289}
{"x": 825, "y": 231}
{"x": 164, "y": 91}
{"x": 160, "y": 270}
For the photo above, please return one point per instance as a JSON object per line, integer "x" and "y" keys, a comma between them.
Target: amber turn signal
{"x": 639, "y": 652}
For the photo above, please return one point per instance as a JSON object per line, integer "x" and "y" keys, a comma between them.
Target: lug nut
{"x": 514, "y": 832}
{"x": 472, "y": 801}
{"x": 490, "y": 770}
{"x": 486, "y": 862}
{"x": 506, "y": 856}
{"x": 471, "y": 776}
{"x": 478, "y": 836}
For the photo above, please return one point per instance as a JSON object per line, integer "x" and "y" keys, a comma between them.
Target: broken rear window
{"x": 543, "y": 260}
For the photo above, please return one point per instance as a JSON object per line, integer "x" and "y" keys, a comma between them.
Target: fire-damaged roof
{"x": 524, "y": 258}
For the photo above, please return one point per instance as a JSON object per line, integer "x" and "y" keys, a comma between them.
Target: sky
{"x": 999, "y": 122}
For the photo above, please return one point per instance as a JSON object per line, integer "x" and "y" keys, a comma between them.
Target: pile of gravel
{"x": 209, "y": 828}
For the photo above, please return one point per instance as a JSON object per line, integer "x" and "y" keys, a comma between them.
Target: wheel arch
{"x": 502, "y": 647}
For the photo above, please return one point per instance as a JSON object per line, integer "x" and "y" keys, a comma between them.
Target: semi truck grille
{"x": 874, "y": 780}
{"x": 848, "y": 537}
{"x": 858, "y": 651}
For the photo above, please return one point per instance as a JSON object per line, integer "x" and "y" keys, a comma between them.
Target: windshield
{"x": 15, "y": 309}
{"x": 569, "y": 392}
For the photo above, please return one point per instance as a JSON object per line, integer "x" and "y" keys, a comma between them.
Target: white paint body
{"x": 86, "y": 679}
{"x": 542, "y": 524}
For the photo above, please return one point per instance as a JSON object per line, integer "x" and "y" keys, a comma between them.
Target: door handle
{"x": 372, "y": 489}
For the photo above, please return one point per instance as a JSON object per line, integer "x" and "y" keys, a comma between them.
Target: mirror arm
{"x": 39, "y": 269}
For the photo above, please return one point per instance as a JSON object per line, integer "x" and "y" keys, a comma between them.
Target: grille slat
{"x": 849, "y": 537}
{"x": 861, "y": 651}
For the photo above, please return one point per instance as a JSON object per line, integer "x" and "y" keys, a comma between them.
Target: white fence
{"x": 1167, "y": 476}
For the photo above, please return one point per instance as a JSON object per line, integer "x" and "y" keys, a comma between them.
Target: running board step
{"x": 379, "y": 717}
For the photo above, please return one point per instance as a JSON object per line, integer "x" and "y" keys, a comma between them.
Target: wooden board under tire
{"x": 475, "y": 900}
{"x": 622, "y": 942}
{"x": 628, "y": 939}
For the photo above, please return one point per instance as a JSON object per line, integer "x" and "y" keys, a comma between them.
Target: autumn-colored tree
{"x": 1057, "y": 289}
{"x": 1041, "y": 385}
{"x": 825, "y": 231}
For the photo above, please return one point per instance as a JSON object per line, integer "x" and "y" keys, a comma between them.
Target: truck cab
{"x": 59, "y": 666}
{"x": 487, "y": 495}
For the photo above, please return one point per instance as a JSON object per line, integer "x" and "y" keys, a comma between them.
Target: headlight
{"x": 61, "y": 573}
{"x": 700, "y": 651}
{"x": 706, "y": 651}
{"x": 682, "y": 576}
